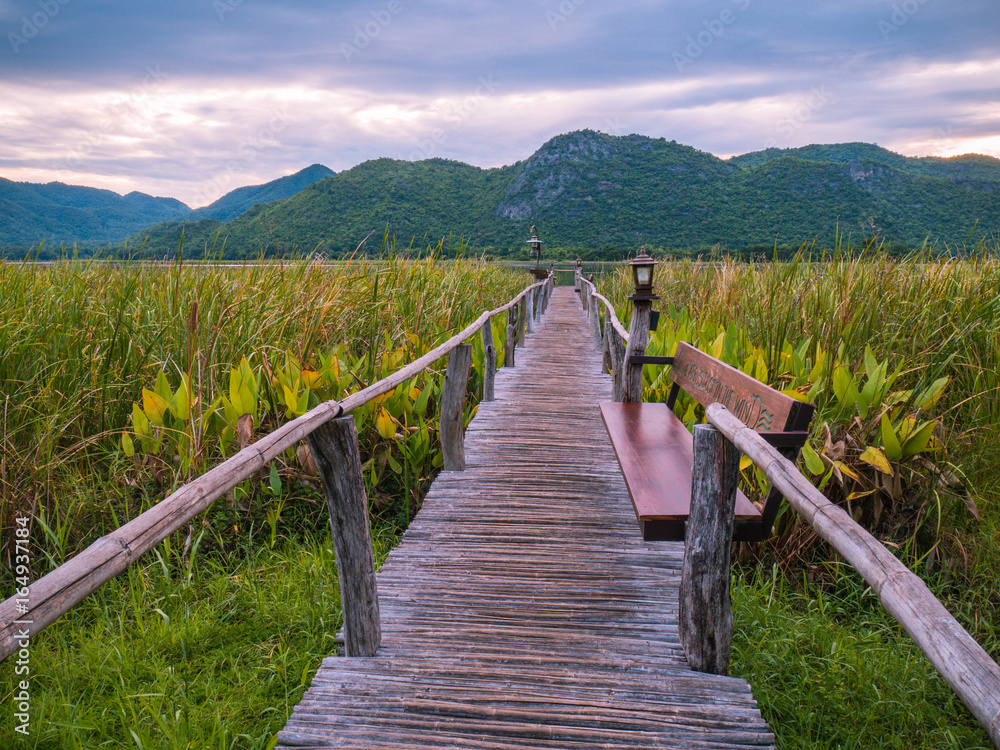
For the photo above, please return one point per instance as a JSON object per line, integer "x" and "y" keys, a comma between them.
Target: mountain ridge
{"x": 599, "y": 192}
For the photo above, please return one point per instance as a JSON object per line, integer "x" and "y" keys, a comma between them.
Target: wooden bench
{"x": 655, "y": 449}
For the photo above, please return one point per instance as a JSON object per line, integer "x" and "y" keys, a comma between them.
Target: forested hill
{"x": 590, "y": 190}
{"x": 59, "y": 214}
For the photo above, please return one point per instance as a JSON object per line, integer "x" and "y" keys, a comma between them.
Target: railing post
{"x": 617, "y": 353}
{"x": 585, "y": 295}
{"x": 606, "y": 360}
{"x": 456, "y": 381}
{"x": 638, "y": 336}
{"x": 510, "y": 341}
{"x": 334, "y": 446}
{"x": 522, "y": 315}
{"x": 705, "y": 611}
{"x": 529, "y": 315}
{"x": 489, "y": 361}
{"x": 595, "y": 322}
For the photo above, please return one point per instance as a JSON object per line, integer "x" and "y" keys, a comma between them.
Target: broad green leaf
{"x": 162, "y": 387}
{"x": 893, "y": 450}
{"x": 876, "y": 458}
{"x": 745, "y": 462}
{"x": 384, "y": 424}
{"x": 814, "y": 463}
{"x": 181, "y": 402}
{"x": 393, "y": 463}
{"x": 154, "y": 406}
{"x": 127, "y": 445}
{"x": 919, "y": 440}
{"x": 275, "y": 479}
{"x": 932, "y": 393}
{"x": 140, "y": 423}
{"x": 290, "y": 399}
{"x": 843, "y": 387}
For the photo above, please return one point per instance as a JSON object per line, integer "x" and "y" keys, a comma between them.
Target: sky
{"x": 193, "y": 98}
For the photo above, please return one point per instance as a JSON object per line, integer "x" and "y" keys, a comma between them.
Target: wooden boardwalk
{"x": 522, "y": 609}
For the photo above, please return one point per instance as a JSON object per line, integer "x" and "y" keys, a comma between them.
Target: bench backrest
{"x": 758, "y": 406}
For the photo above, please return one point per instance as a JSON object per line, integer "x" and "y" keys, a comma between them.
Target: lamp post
{"x": 643, "y": 267}
{"x": 536, "y": 252}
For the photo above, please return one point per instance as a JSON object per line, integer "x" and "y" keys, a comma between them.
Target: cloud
{"x": 197, "y": 97}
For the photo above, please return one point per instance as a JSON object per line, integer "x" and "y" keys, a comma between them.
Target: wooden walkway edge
{"x": 522, "y": 608}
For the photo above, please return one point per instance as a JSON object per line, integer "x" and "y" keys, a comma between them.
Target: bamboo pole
{"x": 962, "y": 662}
{"x": 55, "y": 593}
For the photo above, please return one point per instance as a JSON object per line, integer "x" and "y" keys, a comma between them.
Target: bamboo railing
{"x": 955, "y": 654}
{"x": 22, "y": 617}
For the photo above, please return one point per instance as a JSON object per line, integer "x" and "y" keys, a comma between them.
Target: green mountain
{"x": 240, "y": 200}
{"x": 590, "y": 191}
{"x": 62, "y": 213}
{"x": 69, "y": 214}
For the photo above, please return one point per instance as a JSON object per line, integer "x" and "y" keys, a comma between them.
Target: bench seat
{"x": 655, "y": 452}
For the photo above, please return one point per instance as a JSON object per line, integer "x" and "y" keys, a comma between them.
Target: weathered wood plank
{"x": 522, "y": 609}
{"x": 705, "y": 609}
{"x": 334, "y": 446}
{"x": 456, "y": 383}
{"x": 489, "y": 361}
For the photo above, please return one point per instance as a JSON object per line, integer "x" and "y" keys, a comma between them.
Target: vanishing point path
{"x": 522, "y": 608}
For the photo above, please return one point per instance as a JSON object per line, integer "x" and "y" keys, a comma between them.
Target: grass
{"x": 829, "y": 667}
{"x": 167, "y": 656}
{"x": 832, "y": 671}
{"x": 211, "y": 639}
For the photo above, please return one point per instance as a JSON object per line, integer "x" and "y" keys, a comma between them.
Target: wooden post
{"x": 606, "y": 363}
{"x": 595, "y": 322}
{"x": 489, "y": 361}
{"x": 638, "y": 336}
{"x": 705, "y": 611}
{"x": 334, "y": 446}
{"x": 456, "y": 381}
{"x": 510, "y": 342}
{"x": 529, "y": 316}
{"x": 585, "y": 296}
{"x": 617, "y": 366}
{"x": 963, "y": 663}
{"x": 522, "y": 314}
